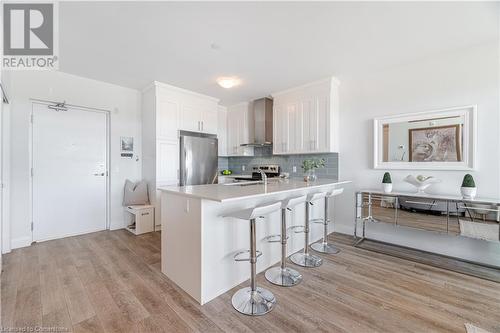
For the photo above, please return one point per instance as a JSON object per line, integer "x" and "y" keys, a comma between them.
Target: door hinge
{"x": 31, "y": 226}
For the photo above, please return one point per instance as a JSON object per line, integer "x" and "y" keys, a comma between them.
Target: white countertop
{"x": 235, "y": 191}
{"x": 433, "y": 196}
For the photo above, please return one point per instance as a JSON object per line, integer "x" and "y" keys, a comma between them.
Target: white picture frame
{"x": 469, "y": 112}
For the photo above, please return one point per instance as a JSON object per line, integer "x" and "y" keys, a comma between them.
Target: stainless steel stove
{"x": 271, "y": 170}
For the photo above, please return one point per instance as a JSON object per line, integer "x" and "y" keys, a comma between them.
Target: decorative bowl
{"x": 421, "y": 182}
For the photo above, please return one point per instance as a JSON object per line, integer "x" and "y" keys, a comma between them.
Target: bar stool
{"x": 305, "y": 259}
{"x": 284, "y": 276}
{"x": 323, "y": 245}
{"x": 253, "y": 300}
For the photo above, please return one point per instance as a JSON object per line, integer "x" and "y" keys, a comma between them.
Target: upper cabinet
{"x": 306, "y": 119}
{"x": 222, "y": 130}
{"x": 239, "y": 131}
{"x": 198, "y": 112}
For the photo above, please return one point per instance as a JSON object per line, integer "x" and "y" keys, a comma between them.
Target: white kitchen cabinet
{"x": 280, "y": 129}
{"x": 167, "y": 162}
{"x": 165, "y": 111}
{"x": 222, "y": 130}
{"x": 306, "y": 119}
{"x": 210, "y": 121}
{"x": 167, "y": 118}
{"x": 199, "y": 116}
{"x": 191, "y": 118}
{"x": 239, "y": 130}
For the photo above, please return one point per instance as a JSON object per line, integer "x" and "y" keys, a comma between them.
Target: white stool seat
{"x": 253, "y": 213}
{"x": 316, "y": 196}
{"x": 292, "y": 202}
{"x": 335, "y": 192}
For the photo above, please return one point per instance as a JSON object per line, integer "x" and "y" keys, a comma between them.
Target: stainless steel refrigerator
{"x": 198, "y": 158}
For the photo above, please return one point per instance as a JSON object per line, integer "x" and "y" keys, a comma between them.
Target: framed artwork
{"x": 127, "y": 146}
{"x": 435, "y": 144}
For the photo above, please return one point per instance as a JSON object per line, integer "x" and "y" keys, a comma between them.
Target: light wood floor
{"x": 111, "y": 282}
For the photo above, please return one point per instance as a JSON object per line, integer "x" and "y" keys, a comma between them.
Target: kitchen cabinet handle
{"x": 421, "y": 203}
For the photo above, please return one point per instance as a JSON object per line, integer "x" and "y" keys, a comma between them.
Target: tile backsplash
{"x": 286, "y": 162}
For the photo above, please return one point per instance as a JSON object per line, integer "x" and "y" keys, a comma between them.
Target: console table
{"x": 478, "y": 218}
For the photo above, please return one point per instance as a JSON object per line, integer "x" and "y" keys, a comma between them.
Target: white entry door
{"x": 69, "y": 172}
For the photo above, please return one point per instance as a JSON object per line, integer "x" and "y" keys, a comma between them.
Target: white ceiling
{"x": 270, "y": 46}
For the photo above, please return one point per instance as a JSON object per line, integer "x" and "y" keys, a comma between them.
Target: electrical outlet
{"x": 294, "y": 169}
{"x": 243, "y": 168}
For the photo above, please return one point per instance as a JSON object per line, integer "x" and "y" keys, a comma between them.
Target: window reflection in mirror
{"x": 437, "y": 139}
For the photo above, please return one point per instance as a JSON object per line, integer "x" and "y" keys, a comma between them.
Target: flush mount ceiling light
{"x": 228, "y": 82}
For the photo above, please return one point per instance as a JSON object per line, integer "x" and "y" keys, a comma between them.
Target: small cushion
{"x": 135, "y": 193}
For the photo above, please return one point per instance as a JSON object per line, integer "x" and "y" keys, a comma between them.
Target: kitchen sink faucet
{"x": 264, "y": 176}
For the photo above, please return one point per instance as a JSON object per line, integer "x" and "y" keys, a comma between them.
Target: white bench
{"x": 142, "y": 216}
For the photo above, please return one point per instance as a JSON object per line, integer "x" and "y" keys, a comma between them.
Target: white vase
{"x": 387, "y": 187}
{"x": 468, "y": 192}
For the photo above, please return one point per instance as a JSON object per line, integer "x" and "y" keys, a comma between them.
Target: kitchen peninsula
{"x": 198, "y": 243}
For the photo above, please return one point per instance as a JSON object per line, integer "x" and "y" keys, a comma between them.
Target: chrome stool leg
{"x": 253, "y": 300}
{"x": 283, "y": 276}
{"x": 305, "y": 259}
{"x": 324, "y": 246}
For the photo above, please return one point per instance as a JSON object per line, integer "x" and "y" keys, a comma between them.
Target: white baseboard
{"x": 17, "y": 243}
{"x": 343, "y": 229}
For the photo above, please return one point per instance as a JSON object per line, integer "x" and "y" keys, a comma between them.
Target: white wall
{"x": 465, "y": 77}
{"x": 125, "y": 119}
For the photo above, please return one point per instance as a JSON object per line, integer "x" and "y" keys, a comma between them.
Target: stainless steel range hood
{"x": 263, "y": 123}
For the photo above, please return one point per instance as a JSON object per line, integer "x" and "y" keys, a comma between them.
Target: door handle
{"x": 99, "y": 174}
